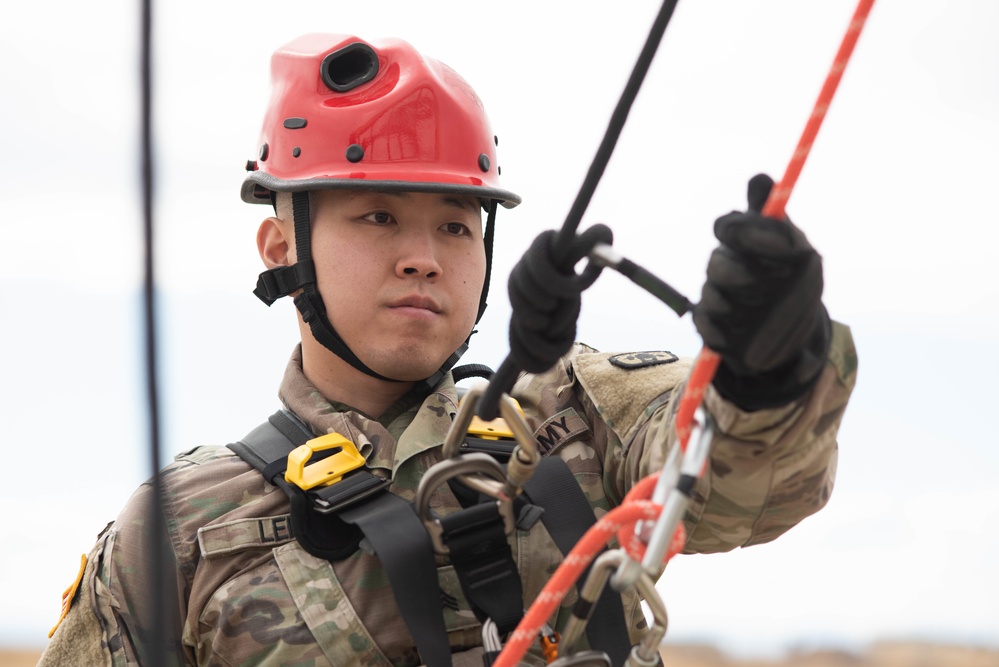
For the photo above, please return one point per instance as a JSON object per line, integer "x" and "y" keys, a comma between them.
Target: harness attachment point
{"x": 327, "y": 471}
{"x": 496, "y": 429}
{"x": 480, "y": 472}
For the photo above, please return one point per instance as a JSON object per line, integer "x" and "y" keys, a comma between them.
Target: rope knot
{"x": 545, "y": 295}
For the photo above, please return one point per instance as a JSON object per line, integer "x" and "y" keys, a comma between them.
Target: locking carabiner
{"x": 482, "y": 473}
{"x": 644, "y": 654}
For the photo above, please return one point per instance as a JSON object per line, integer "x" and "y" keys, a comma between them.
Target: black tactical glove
{"x": 761, "y": 307}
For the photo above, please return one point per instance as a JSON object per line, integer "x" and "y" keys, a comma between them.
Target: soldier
{"x": 381, "y": 168}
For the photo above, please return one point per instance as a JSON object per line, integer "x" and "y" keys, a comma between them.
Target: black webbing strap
{"x": 386, "y": 520}
{"x": 483, "y": 561}
{"x": 567, "y": 517}
{"x": 265, "y": 452}
{"x": 406, "y": 553}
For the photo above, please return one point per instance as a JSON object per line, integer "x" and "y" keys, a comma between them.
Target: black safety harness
{"x": 358, "y": 511}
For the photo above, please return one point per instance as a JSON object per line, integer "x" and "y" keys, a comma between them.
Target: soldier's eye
{"x": 379, "y": 217}
{"x": 457, "y": 229}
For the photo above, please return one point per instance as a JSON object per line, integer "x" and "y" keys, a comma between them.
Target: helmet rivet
{"x": 496, "y": 139}
{"x": 355, "y": 153}
{"x": 296, "y": 151}
{"x": 484, "y": 162}
{"x": 295, "y": 123}
{"x": 499, "y": 171}
{"x": 263, "y": 152}
{"x": 251, "y": 165}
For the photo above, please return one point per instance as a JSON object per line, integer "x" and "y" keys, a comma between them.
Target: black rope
{"x": 561, "y": 248}
{"x": 614, "y": 128}
{"x": 157, "y": 557}
{"x": 655, "y": 286}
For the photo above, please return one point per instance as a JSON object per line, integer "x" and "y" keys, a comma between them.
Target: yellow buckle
{"x": 496, "y": 429}
{"x": 327, "y": 471}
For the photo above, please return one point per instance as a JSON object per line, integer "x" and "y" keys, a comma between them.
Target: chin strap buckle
{"x": 283, "y": 280}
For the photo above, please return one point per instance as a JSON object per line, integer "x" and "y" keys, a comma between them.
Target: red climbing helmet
{"x": 348, "y": 114}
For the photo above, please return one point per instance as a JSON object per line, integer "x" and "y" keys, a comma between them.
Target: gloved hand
{"x": 761, "y": 307}
{"x": 546, "y": 297}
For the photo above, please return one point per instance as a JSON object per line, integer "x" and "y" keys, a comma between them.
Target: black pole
{"x": 156, "y": 558}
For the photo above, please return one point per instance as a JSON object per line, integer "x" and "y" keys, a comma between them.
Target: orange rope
{"x": 622, "y": 517}
{"x": 636, "y": 506}
{"x": 707, "y": 361}
{"x": 774, "y": 208}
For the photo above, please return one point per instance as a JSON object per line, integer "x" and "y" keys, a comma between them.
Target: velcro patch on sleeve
{"x": 69, "y": 594}
{"x": 623, "y": 385}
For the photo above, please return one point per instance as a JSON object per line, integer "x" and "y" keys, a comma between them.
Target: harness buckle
{"x": 482, "y": 473}
{"x": 327, "y": 471}
{"x": 495, "y": 437}
{"x": 497, "y": 429}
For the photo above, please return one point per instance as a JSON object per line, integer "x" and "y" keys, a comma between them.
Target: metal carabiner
{"x": 676, "y": 482}
{"x": 644, "y": 654}
{"x": 482, "y": 473}
{"x": 677, "y": 501}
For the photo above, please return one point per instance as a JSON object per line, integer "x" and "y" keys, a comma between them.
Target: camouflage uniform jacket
{"x": 248, "y": 594}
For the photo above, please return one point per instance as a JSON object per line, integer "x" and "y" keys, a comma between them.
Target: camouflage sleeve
{"x": 768, "y": 469}
{"x": 113, "y": 616}
{"x": 772, "y": 468}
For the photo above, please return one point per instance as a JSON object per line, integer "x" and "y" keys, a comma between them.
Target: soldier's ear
{"x": 276, "y": 243}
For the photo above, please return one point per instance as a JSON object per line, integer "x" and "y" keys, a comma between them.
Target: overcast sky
{"x": 898, "y": 196}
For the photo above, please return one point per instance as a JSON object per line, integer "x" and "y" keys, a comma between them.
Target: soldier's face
{"x": 400, "y": 275}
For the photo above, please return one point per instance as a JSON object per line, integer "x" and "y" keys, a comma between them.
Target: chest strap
{"x": 329, "y": 523}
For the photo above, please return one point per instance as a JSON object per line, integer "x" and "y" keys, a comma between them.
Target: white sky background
{"x": 898, "y": 196}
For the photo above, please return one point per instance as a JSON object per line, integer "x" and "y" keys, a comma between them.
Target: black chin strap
{"x": 284, "y": 280}
{"x": 487, "y": 239}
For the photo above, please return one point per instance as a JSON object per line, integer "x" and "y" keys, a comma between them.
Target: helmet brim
{"x": 258, "y": 186}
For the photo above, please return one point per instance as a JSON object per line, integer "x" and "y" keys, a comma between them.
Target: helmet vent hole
{"x": 349, "y": 67}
